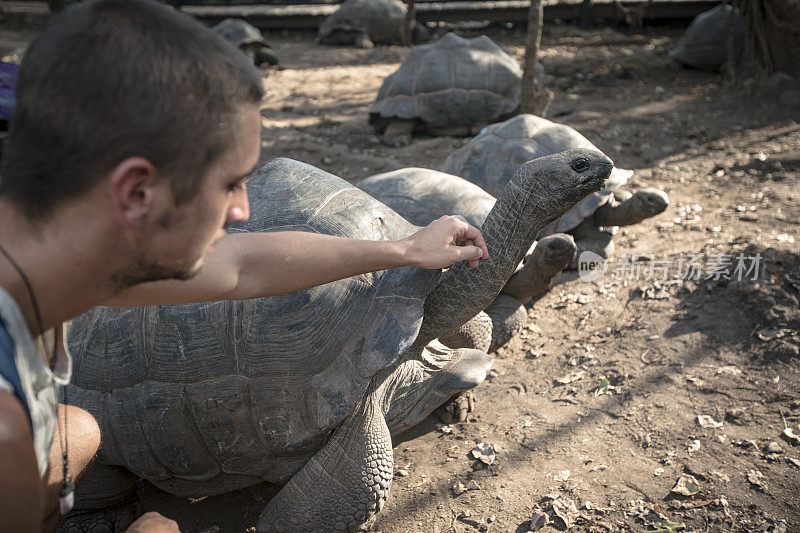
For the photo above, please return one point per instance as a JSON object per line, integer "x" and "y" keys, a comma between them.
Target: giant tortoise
{"x": 421, "y": 195}
{"x": 303, "y": 390}
{"x": 248, "y": 39}
{"x": 454, "y": 86}
{"x": 705, "y": 42}
{"x": 366, "y": 22}
{"x": 490, "y": 158}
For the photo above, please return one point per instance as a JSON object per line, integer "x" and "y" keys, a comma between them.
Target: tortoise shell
{"x": 451, "y": 82}
{"x": 383, "y": 21}
{"x": 704, "y": 44}
{"x": 240, "y": 33}
{"x": 422, "y": 195}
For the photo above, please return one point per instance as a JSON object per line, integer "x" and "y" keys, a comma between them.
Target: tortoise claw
{"x": 457, "y": 408}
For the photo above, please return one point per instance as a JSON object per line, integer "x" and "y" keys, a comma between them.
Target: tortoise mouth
{"x": 598, "y": 175}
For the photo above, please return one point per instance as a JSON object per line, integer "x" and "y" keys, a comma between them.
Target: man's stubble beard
{"x": 145, "y": 271}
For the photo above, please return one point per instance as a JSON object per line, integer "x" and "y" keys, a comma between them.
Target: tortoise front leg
{"x": 489, "y": 330}
{"x": 262, "y": 55}
{"x": 424, "y": 382}
{"x": 477, "y": 334}
{"x": 362, "y": 40}
{"x": 343, "y": 485}
{"x": 509, "y": 317}
{"x": 106, "y": 500}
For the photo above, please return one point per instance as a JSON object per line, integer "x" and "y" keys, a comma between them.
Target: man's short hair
{"x": 113, "y": 79}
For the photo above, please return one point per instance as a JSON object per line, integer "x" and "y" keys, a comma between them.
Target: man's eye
{"x": 238, "y": 186}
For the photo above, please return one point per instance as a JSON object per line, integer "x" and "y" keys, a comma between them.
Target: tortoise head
{"x": 650, "y": 202}
{"x": 557, "y": 249}
{"x": 566, "y": 176}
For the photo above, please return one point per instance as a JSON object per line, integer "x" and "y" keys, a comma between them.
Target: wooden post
{"x": 535, "y": 101}
{"x": 586, "y": 15}
{"x": 408, "y": 29}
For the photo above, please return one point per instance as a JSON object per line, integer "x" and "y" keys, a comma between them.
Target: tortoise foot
{"x": 398, "y": 133}
{"x": 362, "y": 40}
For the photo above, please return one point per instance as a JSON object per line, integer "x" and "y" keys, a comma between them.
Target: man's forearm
{"x": 292, "y": 261}
{"x": 251, "y": 265}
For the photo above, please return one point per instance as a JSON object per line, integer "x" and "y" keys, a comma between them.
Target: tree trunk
{"x": 587, "y": 18}
{"x": 771, "y": 40}
{"x": 782, "y": 27}
{"x": 408, "y": 28}
{"x": 534, "y": 100}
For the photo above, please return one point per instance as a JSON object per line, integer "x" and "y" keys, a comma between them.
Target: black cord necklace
{"x": 66, "y": 496}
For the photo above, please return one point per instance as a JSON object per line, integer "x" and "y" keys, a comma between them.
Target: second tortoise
{"x": 490, "y": 158}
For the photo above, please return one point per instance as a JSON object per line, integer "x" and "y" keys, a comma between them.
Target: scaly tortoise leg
{"x": 344, "y": 484}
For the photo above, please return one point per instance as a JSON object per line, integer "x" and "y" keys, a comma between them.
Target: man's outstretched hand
{"x": 444, "y": 242}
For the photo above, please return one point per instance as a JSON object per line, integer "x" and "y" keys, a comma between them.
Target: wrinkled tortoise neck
{"x": 509, "y": 230}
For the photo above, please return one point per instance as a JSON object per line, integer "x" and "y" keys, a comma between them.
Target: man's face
{"x": 187, "y": 232}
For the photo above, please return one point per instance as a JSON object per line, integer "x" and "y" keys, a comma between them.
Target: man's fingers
{"x": 481, "y": 247}
{"x": 469, "y": 236}
{"x": 466, "y": 241}
{"x": 472, "y": 235}
{"x": 469, "y": 252}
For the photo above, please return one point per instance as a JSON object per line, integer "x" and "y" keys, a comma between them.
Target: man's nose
{"x": 239, "y": 210}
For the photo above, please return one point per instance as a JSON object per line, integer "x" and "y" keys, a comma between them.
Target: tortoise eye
{"x": 580, "y": 164}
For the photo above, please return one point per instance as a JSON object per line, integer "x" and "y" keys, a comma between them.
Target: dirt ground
{"x": 598, "y": 455}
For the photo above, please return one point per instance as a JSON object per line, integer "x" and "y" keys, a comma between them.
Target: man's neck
{"x": 64, "y": 260}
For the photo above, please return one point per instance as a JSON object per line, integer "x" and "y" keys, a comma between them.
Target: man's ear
{"x": 132, "y": 190}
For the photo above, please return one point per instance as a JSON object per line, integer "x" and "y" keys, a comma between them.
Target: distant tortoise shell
{"x": 383, "y": 20}
{"x": 451, "y": 82}
{"x": 704, "y": 44}
{"x": 215, "y": 396}
{"x": 491, "y": 158}
{"x": 240, "y": 33}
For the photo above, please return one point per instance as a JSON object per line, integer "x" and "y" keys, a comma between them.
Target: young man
{"x": 134, "y": 129}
